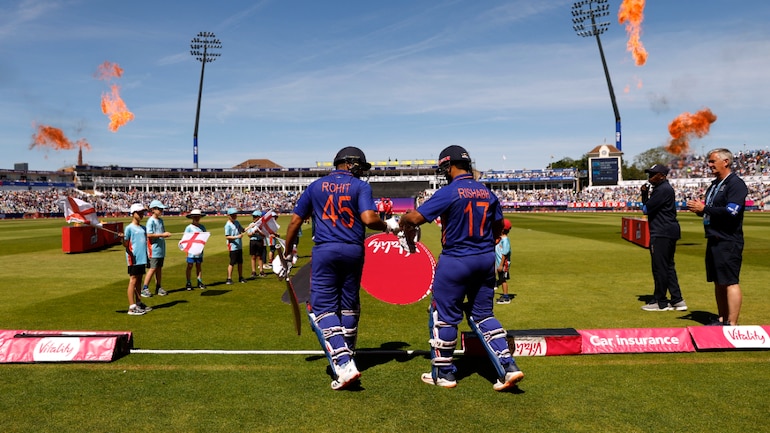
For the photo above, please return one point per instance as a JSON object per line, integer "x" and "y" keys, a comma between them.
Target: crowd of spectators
{"x": 212, "y": 202}
{"x": 23, "y": 201}
{"x": 46, "y": 201}
{"x": 205, "y": 200}
{"x": 690, "y": 178}
{"x": 745, "y": 163}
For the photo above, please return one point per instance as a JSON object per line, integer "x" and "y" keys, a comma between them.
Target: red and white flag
{"x": 267, "y": 225}
{"x": 193, "y": 242}
{"x": 79, "y": 211}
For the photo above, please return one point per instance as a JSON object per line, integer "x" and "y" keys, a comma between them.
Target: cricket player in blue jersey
{"x": 471, "y": 221}
{"x": 341, "y": 207}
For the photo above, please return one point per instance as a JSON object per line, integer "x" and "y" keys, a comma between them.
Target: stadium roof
{"x": 258, "y": 163}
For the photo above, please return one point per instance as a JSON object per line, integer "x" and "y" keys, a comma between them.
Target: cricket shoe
{"x": 444, "y": 380}
{"x": 679, "y": 306}
{"x": 136, "y": 310}
{"x": 512, "y": 376}
{"x": 144, "y": 306}
{"x": 653, "y": 306}
{"x": 188, "y": 286}
{"x": 146, "y": 293}
{"x": 160, "y": 292}
{"x": 346, "y": 375}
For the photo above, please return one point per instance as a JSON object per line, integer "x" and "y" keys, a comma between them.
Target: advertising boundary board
{"x": 531, "y": 342}
{"x": 18, "y": 346}
{"x": 730, "y": 337}
{"x": 568, "y": 341}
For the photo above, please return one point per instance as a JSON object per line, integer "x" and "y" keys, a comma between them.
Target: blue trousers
{"x": 472, "y": 278}
{"x": 334, "y": 286}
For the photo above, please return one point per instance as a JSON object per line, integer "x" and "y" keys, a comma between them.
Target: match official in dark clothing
{"x": 659, "y": 205}
{"x": 722, "y": 213}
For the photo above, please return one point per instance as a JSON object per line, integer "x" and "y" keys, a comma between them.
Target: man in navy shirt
{"x": 471, "y": 222}
{"x": 722, "y": 214}
{"x": 660, "y": 207}
{"x": 342, "y": 207}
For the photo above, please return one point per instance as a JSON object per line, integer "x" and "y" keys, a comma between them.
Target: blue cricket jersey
{"x": 336, "y": 202}
{"x": 467, "y": 210}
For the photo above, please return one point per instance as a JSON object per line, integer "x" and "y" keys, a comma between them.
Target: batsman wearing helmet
{"x": 341, "y": 206}
{"x": 471, "y": 220}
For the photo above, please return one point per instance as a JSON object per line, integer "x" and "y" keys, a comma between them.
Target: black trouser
{"x": 662, "y": 252}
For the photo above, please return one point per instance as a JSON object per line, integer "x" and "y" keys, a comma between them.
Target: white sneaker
{"x": 136, "y": 310}
{"x": 346, "y": 375}
{"x": 653, "y": 306}
{"x": 445, "y": 381}
{"x": 679, "y": 306}
{"x": 512, "y": 376}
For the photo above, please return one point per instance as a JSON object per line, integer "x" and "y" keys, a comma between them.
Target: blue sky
{"x": 299, "y": 79}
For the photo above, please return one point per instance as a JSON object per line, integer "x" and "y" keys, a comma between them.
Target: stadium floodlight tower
{"x": 591, "y": 10}
{"x": 203, "y": 47}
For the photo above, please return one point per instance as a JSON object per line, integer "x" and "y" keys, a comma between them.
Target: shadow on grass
{"x": 209, "y": 292}
{"x": 367, "y": 358}
{"x": 645, "y": 298}
{"x": 168, "y": 304}
{"x": 159, "y": 306}
{"x": 398, "y": 351}
{"x": 702, "y": 317}
{"x": 467, "y": 365}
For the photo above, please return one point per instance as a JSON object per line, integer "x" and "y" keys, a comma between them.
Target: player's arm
{"x": 373, "y": 221}
{"x": 497, "y": 229}
{"x": 412, "y": 218}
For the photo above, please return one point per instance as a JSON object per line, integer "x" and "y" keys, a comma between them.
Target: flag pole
{"x": 101, "y": 228}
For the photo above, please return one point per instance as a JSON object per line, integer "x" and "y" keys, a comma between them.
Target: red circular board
{"x": 394, "y": 275}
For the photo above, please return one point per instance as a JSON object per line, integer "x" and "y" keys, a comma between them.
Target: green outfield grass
{"x": 569, "y": 270}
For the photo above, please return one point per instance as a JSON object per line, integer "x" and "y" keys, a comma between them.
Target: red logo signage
{"x": 394, "y": 275}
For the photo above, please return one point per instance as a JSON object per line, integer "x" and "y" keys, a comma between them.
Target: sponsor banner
{"x": 636, "y": 340}
{"x": 63, "y": 346}
{"x": 395, "y": 275}
{"x": 599, "y": 204}
{"x": 730, "y": 337}
{"x": 535, "y": 342}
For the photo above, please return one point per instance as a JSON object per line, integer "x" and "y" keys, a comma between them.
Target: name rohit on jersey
{"x": 473, "y": 193}
{"x": 335, "y": 188}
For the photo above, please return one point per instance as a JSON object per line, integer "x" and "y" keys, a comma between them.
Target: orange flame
{"x": 632, "y": 13}
{"x": 54, "y": 138}
{"x": 112, "y": 104}
{"x": 687, "y": 126}
{"x": 114, "y": 107}
{"x": 108, "y": 70}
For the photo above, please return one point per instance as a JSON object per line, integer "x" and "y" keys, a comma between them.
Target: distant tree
{"x": 564, "y": 163}
{"x": 650, "y": 157}
{"x": 632, "y": 172}
{"x": 567, "y": 162}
